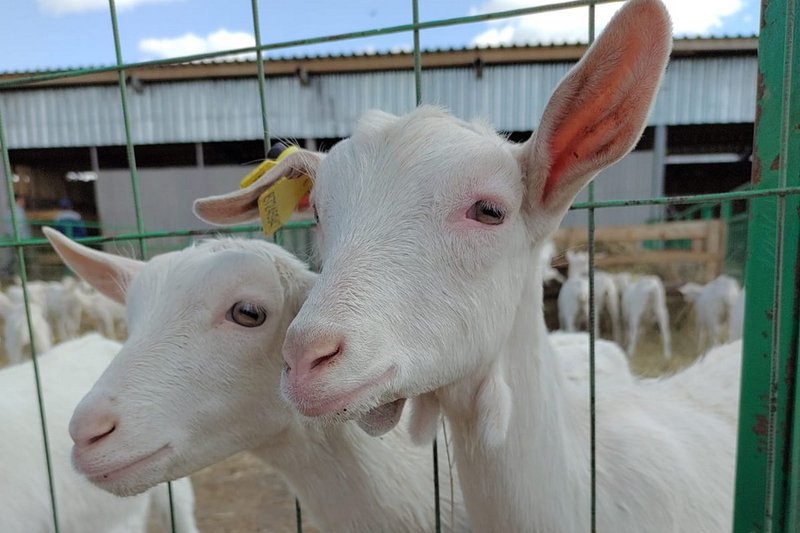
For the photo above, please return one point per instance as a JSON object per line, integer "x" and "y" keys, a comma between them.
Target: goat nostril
{"x": 324, "y": 359}
{"x": 97, "y": 438}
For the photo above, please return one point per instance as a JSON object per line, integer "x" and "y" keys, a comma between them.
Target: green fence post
{"x": 725, "y": 211}
{"x": 767, "y": 470}
{"x": 19, "y": 245}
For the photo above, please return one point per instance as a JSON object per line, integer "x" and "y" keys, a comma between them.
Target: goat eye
{"x": 486, "y": 212}
{"x": 316, "y": 215}
{"x": 247, "y": 314}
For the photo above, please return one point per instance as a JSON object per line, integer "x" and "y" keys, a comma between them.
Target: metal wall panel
{"x": 512, "y": 97}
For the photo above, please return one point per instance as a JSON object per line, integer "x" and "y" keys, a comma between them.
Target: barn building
{"x": 197, "y": 128}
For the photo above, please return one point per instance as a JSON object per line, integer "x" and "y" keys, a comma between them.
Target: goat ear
{"x": 241, "y": 206}
{"x": 108, "y": 273}
{"x": 599, "y": 110}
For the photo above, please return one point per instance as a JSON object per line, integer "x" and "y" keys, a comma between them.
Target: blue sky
{"x": 40, "y": 34}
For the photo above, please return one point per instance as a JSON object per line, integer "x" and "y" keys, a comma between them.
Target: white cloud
{"x": 60, "y": 7}
{"x": 689, "y": 17}
{"x": 190, "y": 43}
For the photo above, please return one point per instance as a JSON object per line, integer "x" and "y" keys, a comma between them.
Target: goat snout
{"x": 89, "y": 427}
{"x": 305, "y": 354}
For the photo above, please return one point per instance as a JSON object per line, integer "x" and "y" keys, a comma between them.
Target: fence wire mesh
{"x": 768, "y": 471}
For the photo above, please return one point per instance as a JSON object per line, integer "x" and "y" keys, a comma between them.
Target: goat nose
{"x": 87, "y": 428}
{"x": 303, "y": 356}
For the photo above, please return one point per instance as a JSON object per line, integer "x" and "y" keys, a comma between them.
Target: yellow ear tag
{"x": 265, "y": 167}
{"x": 277, "y": 203}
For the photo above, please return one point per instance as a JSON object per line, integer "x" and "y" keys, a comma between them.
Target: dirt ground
{"x": 244, "y": 495}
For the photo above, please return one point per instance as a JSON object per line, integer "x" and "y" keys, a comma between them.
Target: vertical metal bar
{"x": 298, "y": 516}
{"x": 793, "y": 498}
{"x": 417, "y": 52}
{"x": 137, "y": 205}
{"x": 262, "y": 98}
{"x": 199, "y": 158}
{"x": 725, "y": 210}
{"x": 659, "y": 162}
{"x": 767, "y": 454}
{"x": 23, "y": 273}
{"x": 436, "y": 495}
{"x": 418, "y": 99}
{"x": 592, "y": 325}
{"x": 172, "y": 526}
{"x": 94, "y": 159}
{"x": 262, "y": 92}
{"x": 123, "y": 93}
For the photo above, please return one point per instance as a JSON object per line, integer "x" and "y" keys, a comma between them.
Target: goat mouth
{"x": 338, "y": 405}
{"x": 382, "y": 419}
{"x": 117, "y": 472}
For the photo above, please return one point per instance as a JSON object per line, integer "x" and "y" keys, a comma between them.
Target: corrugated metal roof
{"x": 512, "y": 97}
{"x": 712, "y": 43}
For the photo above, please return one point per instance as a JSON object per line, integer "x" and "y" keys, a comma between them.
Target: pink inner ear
{"x": 585, "y": 128}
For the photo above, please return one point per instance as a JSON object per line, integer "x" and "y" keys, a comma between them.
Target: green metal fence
{"x": 768, "y": 470}
{"x": 736, "y": 229}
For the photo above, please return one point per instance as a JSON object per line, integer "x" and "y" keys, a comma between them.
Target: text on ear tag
{"x": 278, "y": 202}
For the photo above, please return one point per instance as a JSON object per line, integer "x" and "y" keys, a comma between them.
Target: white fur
{"x": 573, "y": 298}
{"x": 643, "y": 298}
{"x": 16, "y": 335}
{"x": 549, "y": 273}
{"x": 67, "y": 372}
{"x": 63, "y": 308}
{"x": 37, "y": 292}
{"x": 573, "y": 351}
{"x": 713, "y": 303}
{"x": 104, "y": 314}
{"x": 190, "y": 378}
{"x": 417, "y": 295}
{"x": 736, "y": 318}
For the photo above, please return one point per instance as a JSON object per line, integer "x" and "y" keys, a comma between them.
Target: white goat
{"x": 431, "y": 285}
{"x": 549, "y": 273}
{"x": 713, "y": 303}
{"x": 573, "y": 352}
{"x": 105, "y": 314}
{"x": 67, "y": 372}
{"x": 37, "y": 292}
{"x": 573, "y": 298}
{"x": 63, "y": 308}
{"x": 736, "y": 318}
{"x": 645, "y": 298}
{"x": 16, "y": 335}
{"x": 199, "y": 380}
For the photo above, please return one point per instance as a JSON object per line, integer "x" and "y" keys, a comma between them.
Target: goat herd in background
{"x": 629, "y": 301}
{"x": 59, "y": 311}
{"x": 430, "y": 295}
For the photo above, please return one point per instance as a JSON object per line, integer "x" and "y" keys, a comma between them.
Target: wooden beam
{"x": 708, "y": 246}
{"x": 666, "y": 231}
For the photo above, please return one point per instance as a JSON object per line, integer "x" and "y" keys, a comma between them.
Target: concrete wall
{"x": 631, "y": 178}
{"x": 167, "y": 195}
{"x": 166, "y": 202}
